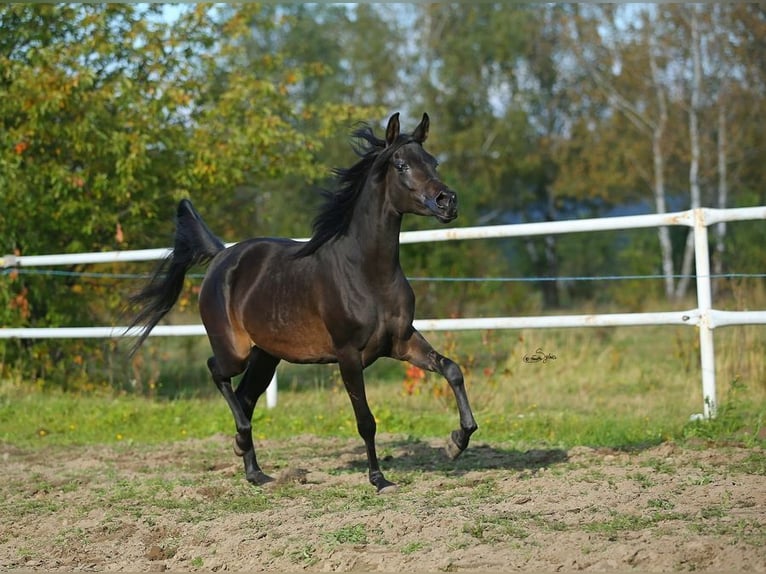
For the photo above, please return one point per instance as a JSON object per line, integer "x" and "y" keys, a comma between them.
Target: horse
{"x": 340, "y": 297}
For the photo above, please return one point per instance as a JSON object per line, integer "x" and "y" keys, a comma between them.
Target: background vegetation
{"x": 111, "y": 113}
{"x": 620, "y": 388}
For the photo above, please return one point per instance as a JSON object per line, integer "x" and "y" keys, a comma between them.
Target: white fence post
{"x": 704, "y": 305}
{"x": 271, "y": 392}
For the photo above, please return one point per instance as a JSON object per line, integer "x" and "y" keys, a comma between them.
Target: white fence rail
{"x": 703, "y": 316}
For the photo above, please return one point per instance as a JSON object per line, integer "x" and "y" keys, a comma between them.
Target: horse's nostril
{"x": 445, "y": 199}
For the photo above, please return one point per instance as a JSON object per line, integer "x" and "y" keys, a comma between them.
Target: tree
{"x": 471, "y": 75}
{"x": 110, "y": 116}
{"x": 335, "y": 66}
{"x": 628, "y": 70}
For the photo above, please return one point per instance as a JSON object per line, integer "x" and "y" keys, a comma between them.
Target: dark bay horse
{"x": 339, "y": 298}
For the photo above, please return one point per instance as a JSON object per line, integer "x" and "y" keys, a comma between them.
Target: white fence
{"x": 703, "y": 316}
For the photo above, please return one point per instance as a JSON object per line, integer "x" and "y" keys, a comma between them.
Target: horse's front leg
{"x": 420, "y": 353}
{"x": 351, "y": 371}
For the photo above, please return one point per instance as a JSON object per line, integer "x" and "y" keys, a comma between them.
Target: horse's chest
{"x": 379, "y": 343}
{"x": 392, "y": 321}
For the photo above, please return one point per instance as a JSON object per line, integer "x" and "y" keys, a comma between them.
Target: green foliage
{"x": 737, "y": 419}
{"x": 351, "y": 534}
{"x": 109, "y": 116}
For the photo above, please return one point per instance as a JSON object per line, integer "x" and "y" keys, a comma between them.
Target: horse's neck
{"x": 379, "y": 241}
{"x": 375, "y": 230}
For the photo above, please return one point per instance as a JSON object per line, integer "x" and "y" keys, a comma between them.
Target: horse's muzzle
{"x": 443, "y": 205}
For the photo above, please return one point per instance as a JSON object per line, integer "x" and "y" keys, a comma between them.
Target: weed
{"x": 484, "y": 489}
{"x": 738, "y": 418}
{"x": 412, "y": 547}
{"x": 513, "y": 530}
{"x": 554, "y": 525}
{"x": 305, "y": 554}
{"x": 593, "y": 475}
{"x": 71, "y": 535}
{"x": 25, "y": 552}
{"x": 620, "y": 522}
{"x": 661, "y": 466}
{"x": 754, "y": 463}
{"x": 713, "y": 511}
{"x": 661, "y": 503}
{"x": 340, "y": 498}
{"x": 351, "y": 534}
{"x": 24, "y": 506}
{"x": 251, "y": 501}
{"x": 742, "y": 531}
{"x": 475, "y": 529}
{"x": 700, "y": 480}
{"x": 497, "y": 528}
{"x": 643, "y": 480}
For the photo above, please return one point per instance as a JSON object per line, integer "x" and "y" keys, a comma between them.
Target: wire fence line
{"x": 704, "y": 316}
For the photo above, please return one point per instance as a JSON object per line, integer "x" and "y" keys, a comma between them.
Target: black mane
{"x": 335, "y": 213}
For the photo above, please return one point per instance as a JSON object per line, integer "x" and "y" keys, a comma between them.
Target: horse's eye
{"x": 400, "y": 165}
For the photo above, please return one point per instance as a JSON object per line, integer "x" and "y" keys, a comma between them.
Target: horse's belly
{"x": 304, "y": 341}
{"x": 300, "y": 352}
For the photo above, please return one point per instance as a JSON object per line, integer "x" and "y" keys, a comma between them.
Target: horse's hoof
{"x": 452, "y": 448}
{"x": 238, "y": 451}
{"x": 259, "y": 478}
{"x": 380, "y": 483}
{"x": 387, "y": 488}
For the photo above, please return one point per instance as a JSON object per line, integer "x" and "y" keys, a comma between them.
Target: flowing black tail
{"x": 195, "y": 244}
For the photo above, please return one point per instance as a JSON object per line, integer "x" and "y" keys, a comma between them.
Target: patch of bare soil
{"x": 186, "y": 506}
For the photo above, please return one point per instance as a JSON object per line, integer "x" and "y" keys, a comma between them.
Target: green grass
{"x": 60, "y": 418}
{"x": 614, "y": 387}
{"x": 29, "y": 418}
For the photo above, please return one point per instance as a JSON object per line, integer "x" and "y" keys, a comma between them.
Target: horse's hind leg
{"x": 260, "y": 370}
{"x": 244, "y": 439}
{"x": 258, "y": 375}
{"x": 420, "y": 353}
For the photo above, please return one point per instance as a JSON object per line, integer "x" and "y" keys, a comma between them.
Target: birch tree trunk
{"x": 642, "y": 119}
{"x": 658, "y": 160}
{"x": 722, "y": 194}
{"x": 694, "y": 144}
{"x": 721, "y": 23}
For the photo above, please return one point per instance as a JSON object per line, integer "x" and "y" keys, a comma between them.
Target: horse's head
{"x": 413, "y": 184}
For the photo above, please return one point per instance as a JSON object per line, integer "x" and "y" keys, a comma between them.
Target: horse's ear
{"x": 392, "y": 131}
{"x": 421, "y": 132}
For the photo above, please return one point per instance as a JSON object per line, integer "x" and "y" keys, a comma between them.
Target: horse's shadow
{"x": 419, "y": 456}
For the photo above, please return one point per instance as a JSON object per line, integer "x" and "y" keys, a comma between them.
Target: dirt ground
{"x": 186, "y": 506}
